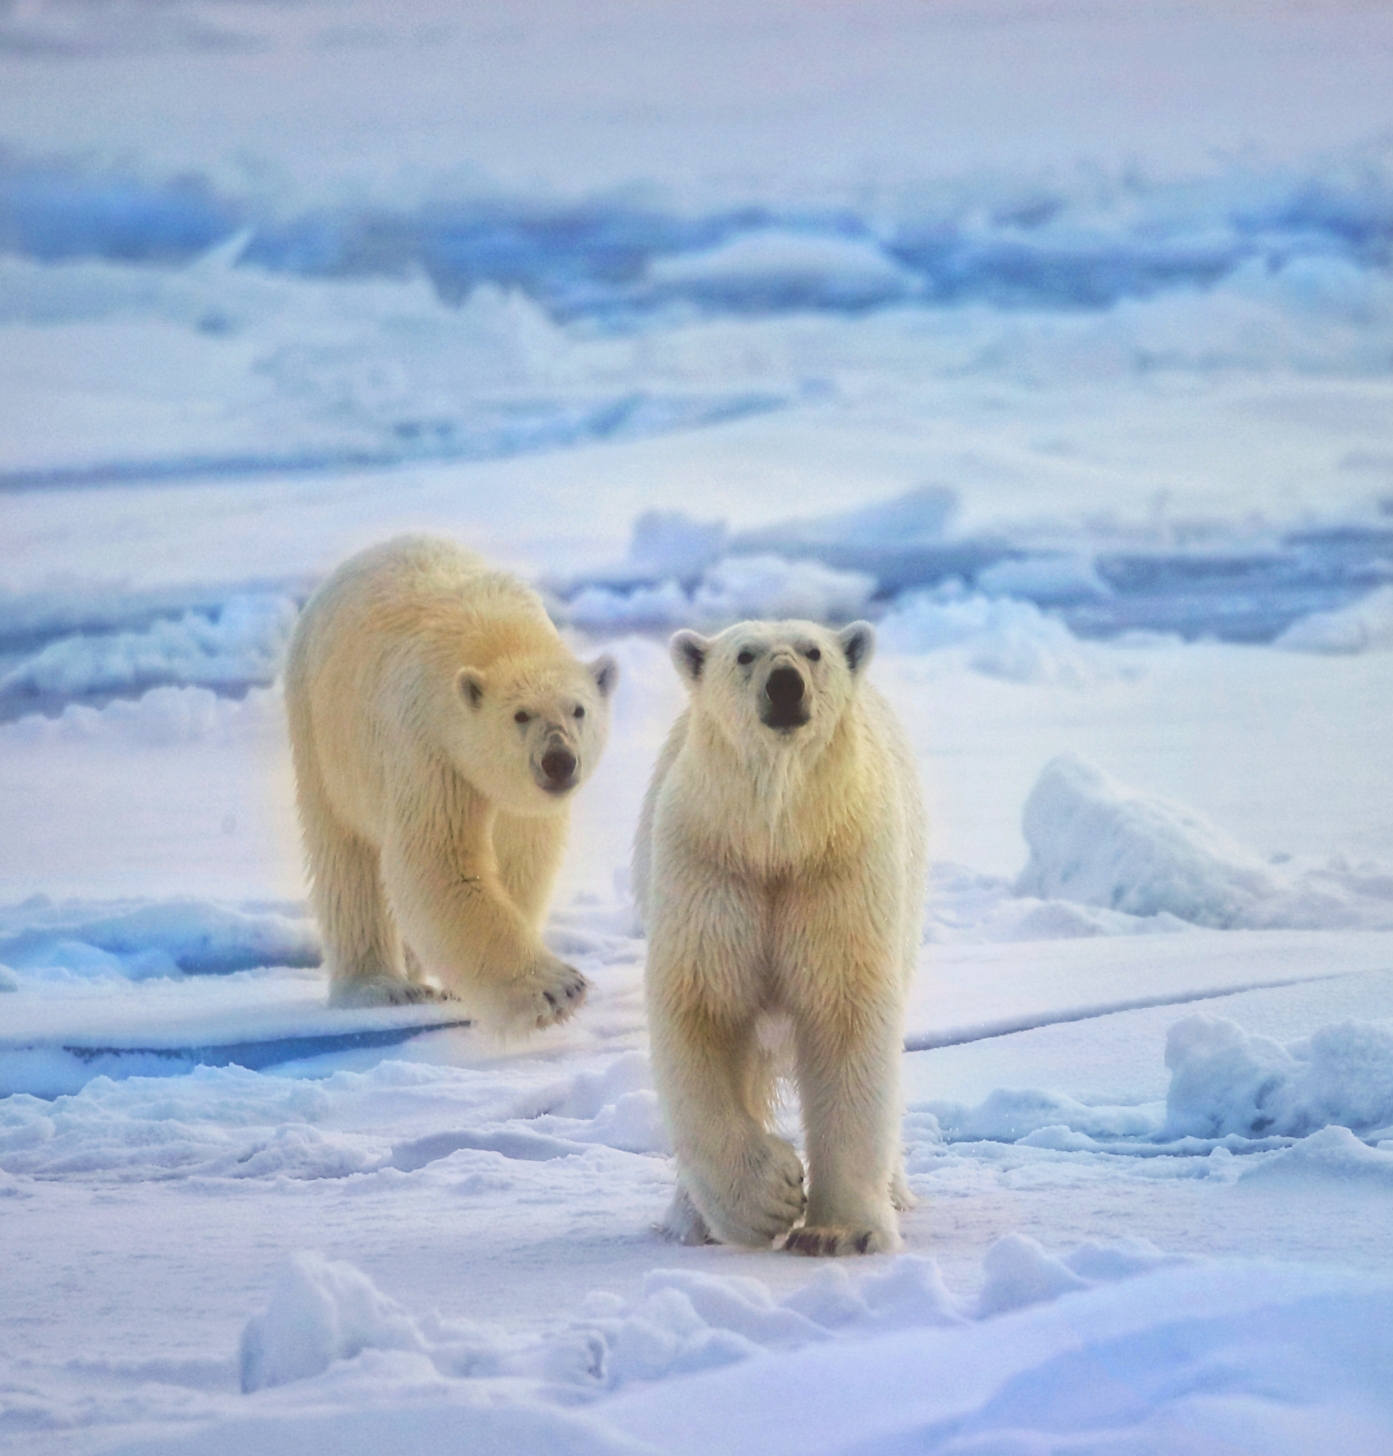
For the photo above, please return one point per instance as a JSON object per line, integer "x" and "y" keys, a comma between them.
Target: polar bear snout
{"x": 784, "y": 694}
{"x": 558, "y": 768}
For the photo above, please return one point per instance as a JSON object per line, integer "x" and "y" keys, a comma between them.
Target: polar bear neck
{"x": 771, "y": 806}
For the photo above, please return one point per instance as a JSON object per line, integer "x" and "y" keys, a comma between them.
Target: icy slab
{"x": 61, "y": 1033}
{"x": 1096, "y": 841}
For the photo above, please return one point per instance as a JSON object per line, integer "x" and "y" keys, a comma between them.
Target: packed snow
{"x": 1039, "y": 337}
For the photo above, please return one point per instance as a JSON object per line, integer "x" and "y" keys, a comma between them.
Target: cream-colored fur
{"x": 779, "y": 867}
{"x": 434, "y": 717}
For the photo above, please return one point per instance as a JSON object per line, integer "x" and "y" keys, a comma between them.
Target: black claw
{"x": 550, "y": 999}
{"x": 863, "y": 1243}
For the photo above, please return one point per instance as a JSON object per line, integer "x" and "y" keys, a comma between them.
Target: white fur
{"x": 432, "y": 830}
{"x": 780, "y": 871}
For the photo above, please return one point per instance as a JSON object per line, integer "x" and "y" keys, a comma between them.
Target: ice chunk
{"x": 241, "y": 643}
{"x": 1363, "y": 626}
{"x": 768, "y": 586}
{"x": 1094, "y": 840}
{"x": 731, "y": 590}
{"x": 776, "y": 269}
{"x": 320, "y": 1312}
{"x": 1001, "y": 637}
{"x": 1225, "y": 1080}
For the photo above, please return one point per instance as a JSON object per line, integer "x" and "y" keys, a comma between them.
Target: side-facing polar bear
{"x": 439, "y": 726}
{"x": 779, "y": 866}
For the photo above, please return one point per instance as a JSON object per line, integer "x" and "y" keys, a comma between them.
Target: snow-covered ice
{"x": 1054, "y": 340}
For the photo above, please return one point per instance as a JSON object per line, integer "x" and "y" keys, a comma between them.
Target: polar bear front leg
{"x": 529, "y": 853}
{"x": 703, "y": 999}
{"x": 458, "y": 917}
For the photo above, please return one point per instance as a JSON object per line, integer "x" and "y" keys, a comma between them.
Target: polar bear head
{"x": 532, "y": 729}
{"x": 774, "y": 685}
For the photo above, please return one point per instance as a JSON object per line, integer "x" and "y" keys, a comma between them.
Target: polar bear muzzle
{"x": 783, "y": 703}
{"x": 556, "y": 773}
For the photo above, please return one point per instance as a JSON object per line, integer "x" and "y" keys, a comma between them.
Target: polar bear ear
{"x": 605, "y": 671}
{"x": 858, "y": 643}
{"x": 470, "y": 682}
{"x": 689, "y": 651}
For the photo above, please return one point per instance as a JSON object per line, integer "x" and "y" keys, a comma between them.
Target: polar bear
{"x": 779, "y": 866}
{"x": 439, "y": 726}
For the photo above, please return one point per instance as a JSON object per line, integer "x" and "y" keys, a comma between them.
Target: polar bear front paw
{"x": 827, "y": 1240}
{"x": 767, "y": 1199}
{"x": 552, "y": 993}
{"x": 383, "y": 991}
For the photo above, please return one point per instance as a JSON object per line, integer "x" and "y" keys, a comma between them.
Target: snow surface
{"x": 1055, "y": 340}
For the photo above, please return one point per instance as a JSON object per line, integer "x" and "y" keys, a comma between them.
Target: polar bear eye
{"x": 522, "y": 717}
{"x": 579, "y": 713}
{"x": 813, "y": 654}
{"x": 745, "y": 658}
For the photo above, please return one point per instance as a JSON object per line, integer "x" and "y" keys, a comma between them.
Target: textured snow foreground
{"x": 1154, "y": 1152}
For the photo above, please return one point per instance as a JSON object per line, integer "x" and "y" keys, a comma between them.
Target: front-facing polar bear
{"x": 438, "y": 725}
{"x": 779, "y": 866}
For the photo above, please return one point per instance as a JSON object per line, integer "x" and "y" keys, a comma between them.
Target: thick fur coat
{"x": 439, "y": 726}
{"x": 780, "y": 866}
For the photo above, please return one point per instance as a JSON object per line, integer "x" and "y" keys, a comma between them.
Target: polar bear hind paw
{"x": 824, "y": 1241}
{"x": 384, "y": 991}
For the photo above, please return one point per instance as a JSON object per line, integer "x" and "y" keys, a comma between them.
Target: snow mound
{"x": 1094, "y": 840}
{"x": 1363, "y": 626}
{"x": 1229, "y": 1088}
{"x": 777, "y": 269}
{"x": 1226, "y": 1080}
{"x": 320, "y": 1312}
{"x": 998, "y": 636}
{"x": 240, "y": 643}
{"x": 731, "y": 590}
{"x": 1333, "y": 1153}
{"x": 138, "y": 939}
{"x": 1097, "y": 842}
{"x": 682, "y": 1322}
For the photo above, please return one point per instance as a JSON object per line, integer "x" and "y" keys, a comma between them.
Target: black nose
{"x": 558, "y": 765}
{"x": 785, "y": 688}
